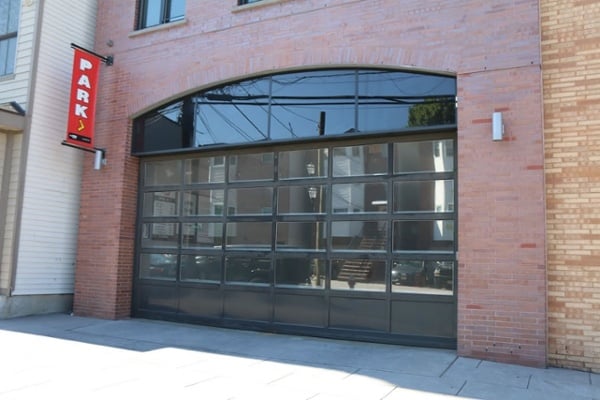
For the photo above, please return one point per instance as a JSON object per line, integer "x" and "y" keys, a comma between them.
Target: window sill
{"x": 252, "y": 6}
{"x": 7, "y": 77}
{"x": 156, "y": 28}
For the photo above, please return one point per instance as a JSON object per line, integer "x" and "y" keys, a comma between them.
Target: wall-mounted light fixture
{"x": 497, "y": 126}
{"x": 312, "y": 192}
{"x": 99, "y": 158}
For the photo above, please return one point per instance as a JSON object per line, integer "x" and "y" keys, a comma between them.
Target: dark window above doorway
{"x": 157, "y": 12}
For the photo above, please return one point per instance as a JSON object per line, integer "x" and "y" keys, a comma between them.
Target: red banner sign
{"x": 82, "y": 107}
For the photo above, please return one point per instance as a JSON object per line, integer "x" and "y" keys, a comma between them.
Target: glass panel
{"x": 161, "y": 204}
{"x": 9, "y": 16}
{"x": 397, "y": 100}
{"x": 424, "y": 235}
{"x": 177, "y": 10}
{"x": 300, "y": 272}
{"x": 161, "y": 129}
{"x": 13, "y": 16}
{"x": 5, "y": 66}
{"x": 159, "y": 173}
{"x": 248, "y": 269}
{"x": 359, "y": 198}
{"x": 302, "y": 199}
{"x": 365, "y": 236}
{"x": 205, "y": 170}
{"x": 252, "y": 167}
{"x": 203, "y": 202}
{"x": 299, "y": 105}
{"x": 426, "y": 156}
{"x": 313, "y": 103}
{"x": 201, "y": 268}
{"x": 202, "y": 235}
{"x": 303, "y": 163}
{"x": 237, "y": 113}
{"x": 301, "y": 235}
{"x": 424, "y": 196}
{"x": 4, "y": 16}
{"x": 247, "y": 201}
{"x": 158, "y": 266}
{"x": 360, "y": 160}
{"x": 8, "y": 48}
{"x": 358, "y": 274}
{"x": 152, "y": 13}
{"x": 249, "y": 235}
{"x": 11, "y": 53}
{"x": 419, "y": 276}
{"x": 160, "y": 234}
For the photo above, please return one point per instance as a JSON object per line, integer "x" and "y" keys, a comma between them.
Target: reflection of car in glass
{"x": 442, "y": 274}
{"x": 409, "y": 272}
{"x": 196, "y": 267}
{"x": 237, "y": 268}
{"x": 248, "y": 269}
{"x": 162, "y": 265}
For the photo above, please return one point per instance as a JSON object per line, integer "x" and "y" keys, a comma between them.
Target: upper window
{"x": 242, "y": 2}
{"x": 300, "y": 105}
{"x": 9, "y": 21}
{"x": 156, "y": 12}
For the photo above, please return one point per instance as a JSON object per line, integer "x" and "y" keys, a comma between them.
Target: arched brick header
{"x": 214, "y": 74}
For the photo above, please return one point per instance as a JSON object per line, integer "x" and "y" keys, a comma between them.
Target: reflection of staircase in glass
{"x": 355, "y": 270}
{"x": 359, "y": 270}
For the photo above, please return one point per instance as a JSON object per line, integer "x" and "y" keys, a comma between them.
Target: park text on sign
{"x": 82, "y": 106}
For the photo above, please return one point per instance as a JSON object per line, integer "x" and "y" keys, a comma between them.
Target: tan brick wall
{"x": 491, "y": 47}
{"x": 571, "y": 73}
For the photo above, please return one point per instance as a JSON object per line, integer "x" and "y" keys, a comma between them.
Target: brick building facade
{"x": 492, "y": 49}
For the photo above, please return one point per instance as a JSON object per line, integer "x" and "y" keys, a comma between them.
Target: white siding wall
{"x": 15, "y": 87}
{"x": 49, "y": 221}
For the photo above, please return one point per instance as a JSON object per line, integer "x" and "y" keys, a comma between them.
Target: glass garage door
{"x": 347, "y": 239}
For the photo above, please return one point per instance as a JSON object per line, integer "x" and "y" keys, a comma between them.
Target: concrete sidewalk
{"x": 63, "y": 357}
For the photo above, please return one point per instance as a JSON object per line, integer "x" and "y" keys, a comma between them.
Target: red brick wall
{"x": 103, "y": 278}
{"x": 501, "y": 302}
{"x": 571, "y": 50}
{"x": 492, "y": 48}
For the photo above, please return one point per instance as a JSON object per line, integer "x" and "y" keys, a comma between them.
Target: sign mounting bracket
{"x": 108, "y": 60}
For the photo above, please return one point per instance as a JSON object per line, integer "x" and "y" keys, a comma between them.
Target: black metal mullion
{"x": 270, "y": 100}
{"x": 274, "y": 222}
{"x": 8, "y": 35}
{"x": 390, "y": 232}
{"x": 224, "y": 220}
{"x": 356, "y": 98}
{"x": 178, "y": 220}
{"x": 165, "y": 6}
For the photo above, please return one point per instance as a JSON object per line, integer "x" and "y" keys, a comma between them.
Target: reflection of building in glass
{"x": 348, "y": 161}
{"x": 443, "y": 156}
